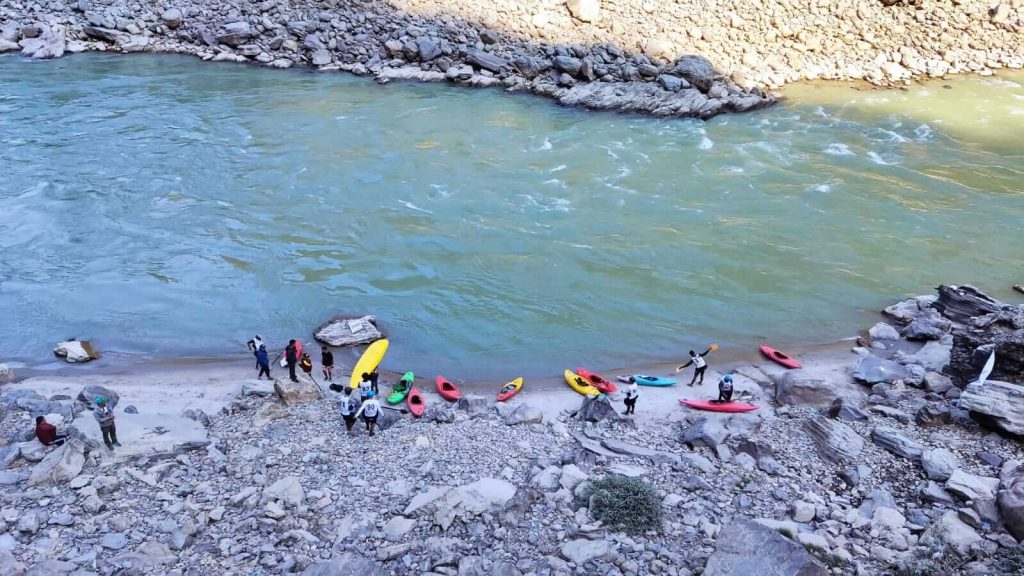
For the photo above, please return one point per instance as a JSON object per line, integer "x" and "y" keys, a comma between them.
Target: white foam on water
{"x": 546, "y": 145}
{"x": 644, "y": 156}
{"x": 820, "y": 111}
{"x": 878, "y": 159}
{"x": 555, "y": 182}
{"x": 838, "y": 149}
{"x": 412, "y": 206}
{"x": 923, "y": 132}
{"x": 894, "y": 137}
{"x": 823, "y": 188}
{"x": 441, "y": 190}
{"x": 341, "y": 117}
{"x": 706, "y": 143}
{"x": 585, "y": 246}
{"x": 558, "y": 168}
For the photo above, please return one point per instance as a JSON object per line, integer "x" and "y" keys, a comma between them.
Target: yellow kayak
{"x": 579, "y": 384}
{"x": 511, "y": 389}
{"x": 369, "y": 361}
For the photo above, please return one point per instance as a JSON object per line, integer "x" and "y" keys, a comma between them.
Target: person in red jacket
{"x": 47, "y": 433}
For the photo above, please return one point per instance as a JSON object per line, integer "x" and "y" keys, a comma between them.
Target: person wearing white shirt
{"x": 631, "y": 395}
{"x": 369, "y": 411}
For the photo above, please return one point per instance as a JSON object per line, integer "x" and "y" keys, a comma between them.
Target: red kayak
{"x": 597, "y": 381}
{"x": 415, "y": 402}
{"x": 779, "y": 358}
{"x": 714, "y": 406}
{"x": 447, "y": 390}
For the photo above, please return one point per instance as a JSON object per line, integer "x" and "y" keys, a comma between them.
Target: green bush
{"x": 622, "y": 503}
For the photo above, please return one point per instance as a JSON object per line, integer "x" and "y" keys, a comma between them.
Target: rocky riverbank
{"x": 859, "y": 463}
{"x": 664, "y": 59}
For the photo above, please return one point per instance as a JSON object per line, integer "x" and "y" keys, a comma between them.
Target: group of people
{"x": 293, "y": 357}
{"x": 47, "y": 433}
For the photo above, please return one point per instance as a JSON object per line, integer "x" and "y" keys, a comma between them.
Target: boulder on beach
{"x": 75, "y": 351}
{"x": 802, "y": 388}
{"x": 872, "y": 370}
{"x": 1001, "y": 333}
{"x": 6, "y": 374}
{"x": 294, "y": 393}
{"x": 596, "y": 409}
{"x": 748, "y": 547}
{"x": 61, "y": 465}
{"x": 1000, "y": 403}
{"x": 1011, "y": 499}
{"x": 91, "y": 392}
{"x": 345, "y": 331}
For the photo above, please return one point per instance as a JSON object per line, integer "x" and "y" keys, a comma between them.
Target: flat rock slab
{"x": 342, "y": 331}
{"x": 148, "y": 433}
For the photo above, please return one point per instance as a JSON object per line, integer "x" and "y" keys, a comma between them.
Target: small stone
{"x": 114, "y": 541}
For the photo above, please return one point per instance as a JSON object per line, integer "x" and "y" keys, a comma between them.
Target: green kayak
{"x": 401, "y": 390}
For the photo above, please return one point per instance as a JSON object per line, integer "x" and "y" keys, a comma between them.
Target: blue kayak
{"x": 653, "y": 380}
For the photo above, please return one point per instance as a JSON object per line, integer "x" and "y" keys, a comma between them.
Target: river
{"x": 165, "y": 207}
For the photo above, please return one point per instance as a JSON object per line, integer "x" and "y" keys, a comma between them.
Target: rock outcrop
{"x": 1011, "y": 499}
{"x": 1001, "y": 332}
{"x": 61, "y": 465}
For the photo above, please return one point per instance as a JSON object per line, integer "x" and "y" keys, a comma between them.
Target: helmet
{"x": 101, "y": 400}
{"x": 369, "y": 394}
{"x": 728, "y": 378}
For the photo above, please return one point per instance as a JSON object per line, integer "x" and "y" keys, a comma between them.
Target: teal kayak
{"x": 653, "y": 380}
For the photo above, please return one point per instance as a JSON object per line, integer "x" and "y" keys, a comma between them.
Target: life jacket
{"x": 632, "y": 392}
{"x": 724, "y": 386}
{"x": 346, "y": 406}
{"x": 364, "y": 388}
{"x": 306, "y": 364}
{"x": 370, "y": 408}
{"x": 698, "y": 362}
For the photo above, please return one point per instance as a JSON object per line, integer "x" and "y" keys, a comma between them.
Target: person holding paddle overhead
{"x": 699, "y": 364}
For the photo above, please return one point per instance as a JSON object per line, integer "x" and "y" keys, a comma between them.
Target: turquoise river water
{"x": 166, "y": 207}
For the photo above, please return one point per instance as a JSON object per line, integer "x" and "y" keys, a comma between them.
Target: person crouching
{"x": 46, "y": 433}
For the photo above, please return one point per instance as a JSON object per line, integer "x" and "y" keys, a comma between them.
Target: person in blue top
{"x": 725, "y": 389}
{"x": 262, "y": 362}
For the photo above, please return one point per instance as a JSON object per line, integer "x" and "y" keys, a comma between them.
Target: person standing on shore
{"x": 327, "y": 361}
{"x": 291, "y": 357}
{"x": 263, "y": 362}
{"x": 104, "y": 415}
{"x": 349, "y": 407}
{"x": 369, "y": 411}
{"x": 631, "y": 395}
{"x": 46, "y": 433}
{"x": 699, "y": 366}
{"x": 725, "y": 388}
{"x": 255, "y": 344}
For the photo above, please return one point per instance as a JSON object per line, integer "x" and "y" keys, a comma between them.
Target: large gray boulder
{"x": 1002, "y": 403}
{"x": 872, "y": 370}
{"x": 897, "y": 443}
{"x": 294, "y": 393}
{"x": 950, "y": 530}
{"x": 905, "y": 311}
{"x": 971, "y": 486}
{"x": 522, "y": 414}
{"x": 50, "y": 43}
{"x": 928, "y": 325}
{"x": 344, "y": 331}
{"x": 939, "y": 464}
{"x": 707, "y": 432}
{"x": 596, "y": 409}
{"x": 933, "y": 356}
{"x": 1011, "y": 499}
{"x": 697, "y": 70}
{"x": 6, "y": 374}
{"x": 836, "y": 441}
{"x": 61, "y": 465}
{"x": 91, "y": 392}
{"x": 800, "y": 388}
{"x": 745, "y": 547}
